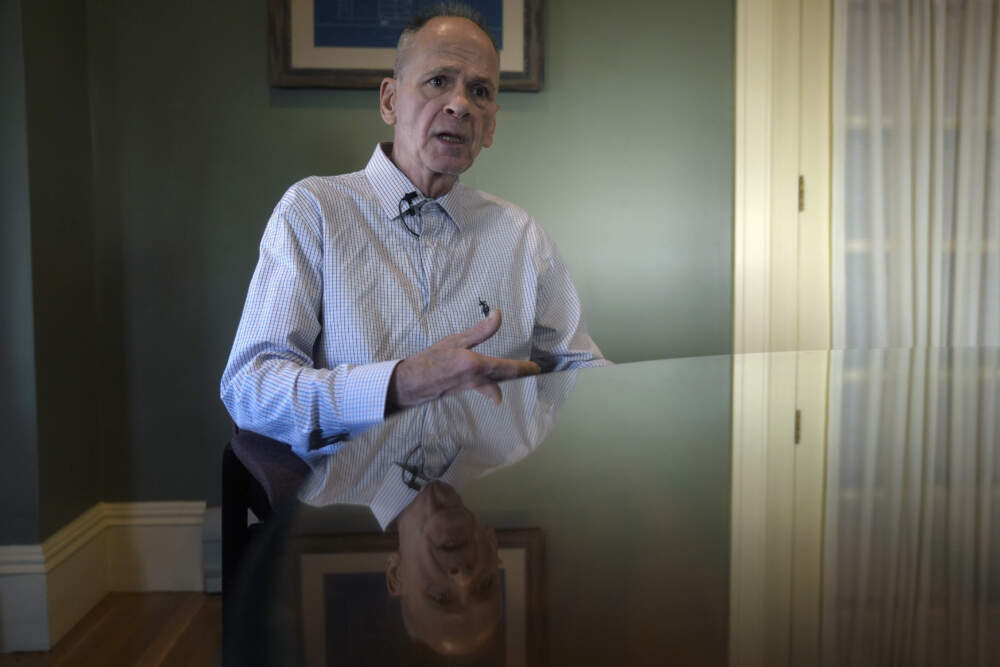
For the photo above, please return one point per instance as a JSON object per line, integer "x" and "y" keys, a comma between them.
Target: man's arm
{"x": 270, "y": 384}
{"x": 560, "y": 340}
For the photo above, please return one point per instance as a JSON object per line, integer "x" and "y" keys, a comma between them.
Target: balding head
{"x": 427, "y": 14}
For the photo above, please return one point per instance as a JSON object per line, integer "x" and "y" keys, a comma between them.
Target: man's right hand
{"x": 450, "y": 365}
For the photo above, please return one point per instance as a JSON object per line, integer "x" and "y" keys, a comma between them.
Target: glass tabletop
{"x": 832, "y": 507}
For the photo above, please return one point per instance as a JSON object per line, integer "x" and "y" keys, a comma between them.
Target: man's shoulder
{"x": 328, "y": 198}
{"x": 325, "y": 187}
{"x": 483, "y": 203}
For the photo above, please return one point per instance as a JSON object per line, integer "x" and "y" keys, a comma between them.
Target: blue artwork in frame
{"x": 362, "y": 23}
{"x": 351, "y": 43}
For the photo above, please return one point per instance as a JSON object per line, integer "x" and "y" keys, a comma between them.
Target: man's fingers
{"x": 444, "y": 368}
{"x": 474, "y": 335}
{"x": 506, "y": 369}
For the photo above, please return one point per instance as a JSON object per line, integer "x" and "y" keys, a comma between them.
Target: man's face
{"x": 443, "y": 106}
{"x": 446, "y": 573}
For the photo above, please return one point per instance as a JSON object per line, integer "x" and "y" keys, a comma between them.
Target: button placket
{"x": 429, "y": 247}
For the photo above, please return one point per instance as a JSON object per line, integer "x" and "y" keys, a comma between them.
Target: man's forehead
{"x": 452, "y": 38}
{"x": 441, "y": 27}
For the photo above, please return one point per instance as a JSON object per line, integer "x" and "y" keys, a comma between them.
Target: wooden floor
{"x": 139, "y": 629}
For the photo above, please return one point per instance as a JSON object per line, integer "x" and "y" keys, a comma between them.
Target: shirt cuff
{"x": 365, "y": 390}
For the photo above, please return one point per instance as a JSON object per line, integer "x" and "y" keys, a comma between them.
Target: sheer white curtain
{"x": 916, "y": 173}
{"x": 911, "y": 556}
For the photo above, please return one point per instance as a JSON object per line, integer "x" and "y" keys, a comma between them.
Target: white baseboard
{"x": 75, "y": 585}
{"x": 45, "y": 589}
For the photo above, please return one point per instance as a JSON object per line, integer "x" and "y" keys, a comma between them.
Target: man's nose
{"x": 459, "y": 563}
{"x": 463, "y": 582}
{"x": 458, "y": 103}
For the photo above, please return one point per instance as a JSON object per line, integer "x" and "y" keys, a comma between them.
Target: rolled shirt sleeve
{"x": 560, "y": 340}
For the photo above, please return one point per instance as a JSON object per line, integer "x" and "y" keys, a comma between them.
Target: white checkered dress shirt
{"x": 343, "y": 291}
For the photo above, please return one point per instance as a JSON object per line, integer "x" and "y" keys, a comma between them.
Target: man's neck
{"x": 430, "y": 185}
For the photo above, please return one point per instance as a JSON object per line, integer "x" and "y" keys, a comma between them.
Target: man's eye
{"x": 481, "y": 92}
{"x": 436, "y": 81}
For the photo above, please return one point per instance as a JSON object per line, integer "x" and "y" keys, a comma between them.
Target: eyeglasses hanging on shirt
{"x": 412, "y": 469}
{"x": 412, "y": 211}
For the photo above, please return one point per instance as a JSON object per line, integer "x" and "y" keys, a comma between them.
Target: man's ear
{"x": 387, "y": 101}
{"x": 392, "y": 581}
{"x": 488, "y": 136}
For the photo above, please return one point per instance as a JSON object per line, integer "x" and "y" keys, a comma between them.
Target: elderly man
{"x": 360, "y": 274}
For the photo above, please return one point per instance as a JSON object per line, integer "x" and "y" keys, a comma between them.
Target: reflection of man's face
{"x": 445, "y": 573}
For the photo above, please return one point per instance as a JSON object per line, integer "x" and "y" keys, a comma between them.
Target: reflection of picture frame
{"x": 355, "y": 564}
{"x": 297, "y": 62}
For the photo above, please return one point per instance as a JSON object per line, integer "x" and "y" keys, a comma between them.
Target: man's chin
{"x": 452, "y": 163}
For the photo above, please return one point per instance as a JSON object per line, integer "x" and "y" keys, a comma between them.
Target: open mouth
{"x": 450, "y": 138}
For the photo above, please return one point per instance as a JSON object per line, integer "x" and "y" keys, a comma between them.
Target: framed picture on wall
{"x": 348, "y": 617}
{"x": 352, "y": 43}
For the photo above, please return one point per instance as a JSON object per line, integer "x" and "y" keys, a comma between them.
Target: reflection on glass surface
{"x": 868, "y": 534}
{"x": 444, "y": 574}
{"x": 810, "y": 508}
{"x": 454, "y": 440}
{"x": 911, "y": 553}
{"x": 608, "y": 490}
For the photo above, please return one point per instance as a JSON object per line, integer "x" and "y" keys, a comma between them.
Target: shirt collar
{"x": 391, "y": 185}
{"x": 458, "y": 205}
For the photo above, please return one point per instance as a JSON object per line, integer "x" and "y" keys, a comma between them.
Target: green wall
{"x": 19, "y": 472}
{"x": 626, "y": 157}
{"x": 627, "y": 160}
{"x": 62, "y": 256}
{"x": 53, "y": 463}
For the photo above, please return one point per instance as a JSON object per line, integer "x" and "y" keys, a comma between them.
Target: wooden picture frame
{"x": 294, "y": 62}
{"x": 319, "y": 557}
